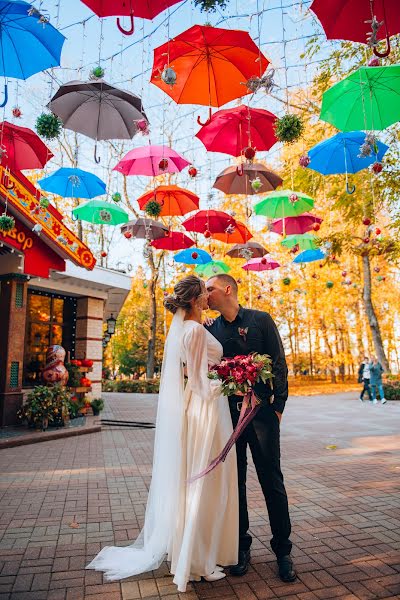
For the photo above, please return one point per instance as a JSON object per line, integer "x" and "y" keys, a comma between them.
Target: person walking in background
{"x": 364, "y": 378}
{"x": 376, "y": 371}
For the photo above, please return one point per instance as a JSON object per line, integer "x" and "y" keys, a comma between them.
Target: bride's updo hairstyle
{"x": 187, "y": 289}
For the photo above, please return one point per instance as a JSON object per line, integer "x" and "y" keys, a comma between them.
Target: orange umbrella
{"x": 207, "y": 65}
{"x": 234, "y": 234}
{"x": 175, "y": 201}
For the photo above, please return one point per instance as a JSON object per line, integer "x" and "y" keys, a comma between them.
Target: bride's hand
{"x": 208, "y": 321}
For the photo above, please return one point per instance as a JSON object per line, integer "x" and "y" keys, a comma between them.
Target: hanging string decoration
{"x": 96, "y": 73}
{"x": 192, "y": 171}
{"x": 265, "y": 83}
{"x": 16, "y": 112}
{"x": 7, "y": 223}
{"x": 369, "y": 146}
{"x": 75, "y": 180}
{"x": 3, "y": 153}
{"x": 105, "y": 216}
{"x": 116, "y": 197}
{"x": 142, "y": 126}
{"x": 153, "y": 208}
{"x": 48, "y": 126}
{"x": 256, "y": 184}
{"x": 304, "y": 160}
{"x": 289, "y": 128}
{"x": 210, "y": 5}
{"x": 168, "y": 76}
{"x": 246, "y": 253}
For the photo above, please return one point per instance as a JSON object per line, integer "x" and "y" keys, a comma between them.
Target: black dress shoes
{"x": 243, "y": 564}
{"x": 286, "y": 569}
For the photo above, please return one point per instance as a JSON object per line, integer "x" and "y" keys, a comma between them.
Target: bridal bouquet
{"x": 239, "y": 374}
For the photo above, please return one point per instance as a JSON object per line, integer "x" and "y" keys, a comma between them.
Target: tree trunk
{"x": 371, "y": 315}
{"x": 331, "y": 367}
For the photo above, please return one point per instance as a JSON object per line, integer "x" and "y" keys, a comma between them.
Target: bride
{"x": 193, "y": 525}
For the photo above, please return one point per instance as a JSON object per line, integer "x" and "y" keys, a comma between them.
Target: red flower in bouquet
{"x": 240, "y": 373}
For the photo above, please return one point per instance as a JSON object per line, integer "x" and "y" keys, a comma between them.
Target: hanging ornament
{"x": 377, "y": 231}
{"x": 246, "y": 253}
{"x": 374, "y": 62}
{"x": 43, "y": 202}
{"x": 3, "y": 153}
{"x": 366, "y": 240}
{"x": 74, "y": 180}
{"x": 7, "y": 223}
{"x": 369, "y": 146}
{"x": 293, "y": 198}
{"x": 116, "y": 197}
{"x": 210, "y": 5}
{"x": 366, "y": 221}
{"x": 314, "y": 276}
{"x": 192, "y": 171}
{"x": 195, "y": 255}
{"x": 316, "y": 227}
{"x": 286, "y": 281}
{"x": 35, "y": 210}
{"x": 344, "y": 273}
{"x": 147, "y": 250}
{"x": 377, "y": 269}
{"x": 377, "y": 167}
{"x": 16, "y": 112}
{"x": 96, "y": 73}
{"x": 271, "y": 289}
{"x": 230, "y": 229}
{"x": 304, "y": 160}
{"x": 163, "y": 164}
{"x": 329, "y": 284}
{"x": 249, "y": 153}
{"x": 143, "y": 126}
{"x": 42, "y": 18}
{"x": 263, "y": 260}
{"x": 153, "y": 208}
{"x": 246, "y": 298}
{"x": 256, "y": 184}
{"x": 265, "y": 83}
{"x": 348, "y": 281}
{"x": 239, "y": 281}
{"x": 289, "y": 128}
{"x": 37, "y": 229}
{"x": 372, "y": 36}
{"x": 168, "y": 76}
{"x": 105, "y": 216}
{"x": 103, "y": 254}
{"x": 259, "y": 296}
{"x": 207, "y": 233}
{"x": 295, "y": 249}
{"x": 48, "y": 126}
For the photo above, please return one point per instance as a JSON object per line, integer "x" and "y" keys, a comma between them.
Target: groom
{"x": 242, "y": 331}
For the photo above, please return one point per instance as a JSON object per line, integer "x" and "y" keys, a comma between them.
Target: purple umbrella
{"x": 261, "y": 264}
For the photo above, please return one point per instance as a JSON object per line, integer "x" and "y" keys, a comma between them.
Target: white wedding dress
{"x": 193, "y": 525}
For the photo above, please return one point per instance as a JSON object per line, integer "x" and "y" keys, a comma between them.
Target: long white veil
{"x": 152, "y": 545}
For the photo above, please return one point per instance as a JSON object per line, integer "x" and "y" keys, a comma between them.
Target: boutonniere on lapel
{"x": 243, "y": 332}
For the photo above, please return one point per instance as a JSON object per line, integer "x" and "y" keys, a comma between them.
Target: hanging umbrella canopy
{"x": 305, "y": 241}
{"x": 284, "y": 203}
{"x": 247, "y": 251}
{"x": 101, "y": 213}
{"x": 261, "y": 264}
{"x": 341, "y": 154}
{"x": 173, "y": 240}
{"x": 212, "y": 268}
{"x": 23, "y": 148}
{"x": 309, "y": 256}
{"x": 27, "y": 44}
{"x": 211, "y": 65}
{"x": 143, "y": 228}
{"x": 234, "y": 234}
{"x": 230, "y": 182}
{"x": 367, "y": 99}
{"x": 149, "y": 160}
{"x": 295, "y": 225}
{"x": 231, "y": 130}
{"x": 174, "y": 201}
{"x": 194, "y": 256}
{"x": 209, "y": 221}
{"x": 73, "y": 183}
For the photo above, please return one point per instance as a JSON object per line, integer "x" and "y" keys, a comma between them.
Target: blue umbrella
{"x": 309, "y": 256}
{"x": 185, "y": 256}
{"x": 341, "y": 154}
{"x": 73, "y": 183}
{"x": 28, "y": 43}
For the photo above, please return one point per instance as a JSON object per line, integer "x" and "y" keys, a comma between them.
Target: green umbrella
{"x": 367, "y": 99}
{"x": 306, "y": 241}
{"x": 284, "y": 203}
{"x": 101, "y": 212}
{"x": 212, "y": 268}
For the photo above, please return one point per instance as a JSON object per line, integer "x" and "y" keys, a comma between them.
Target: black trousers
{"x": 366, "y": 388}
{"x": 262, "y": 435}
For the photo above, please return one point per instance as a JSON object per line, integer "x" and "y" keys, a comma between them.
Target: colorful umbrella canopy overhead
{"x": 367, "y": 99}
{"x": 74, "y": 183}
{"x": 214, "y": 267}
{"x": 309, "y": 256}
{"x": 209, "y": 222}
{"x": 234, "y": 234}
{"x": 101, "y": 213}
{"x": 247, "y": 251}
{"x": 284, "y": 203}
{"x": 146, "y": 229}
{"x": 151, "y": 161}
{"x": 210, "y": 65}
{"x": 174, "y": 240}
{"x": 232, "y": 130}
{"x": 174, "y": 201}
{"x": 230, "y": 182}
{"x": 28, "y": 44}
{"x": 194, "y": 256}
{"x": 305, "y": 241}
{"x": 341, "y": 154}
{"x": 22, "y": 148}
{"x": 295, "y": 225}
{"x": 261, "y": 264}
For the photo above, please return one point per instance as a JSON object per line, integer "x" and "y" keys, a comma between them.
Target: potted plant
{"x": 38, "y": 410}
{"x": 97, "y": 406}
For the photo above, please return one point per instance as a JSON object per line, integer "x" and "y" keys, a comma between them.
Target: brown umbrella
{"x": 247, "y": 251}
{"x": 147, "y": 229}
{"x": 238, "y": 180}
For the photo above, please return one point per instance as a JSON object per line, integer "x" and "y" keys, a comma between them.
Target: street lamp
{"x": 111, "y": 322}
{"x": 107, "y": 337}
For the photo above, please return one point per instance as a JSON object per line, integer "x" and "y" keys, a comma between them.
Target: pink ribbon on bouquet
{"x": 250, "y": 407}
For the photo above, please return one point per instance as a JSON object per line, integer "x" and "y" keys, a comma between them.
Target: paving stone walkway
{"x": 62, "y": 500}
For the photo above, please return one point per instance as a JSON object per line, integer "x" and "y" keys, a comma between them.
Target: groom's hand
{"x": 279, "y": 415}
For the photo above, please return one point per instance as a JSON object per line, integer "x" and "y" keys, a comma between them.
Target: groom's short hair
{"x": 227, "y": 280}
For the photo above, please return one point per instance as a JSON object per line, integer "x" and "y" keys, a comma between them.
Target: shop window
{"x": 51, "y": 319}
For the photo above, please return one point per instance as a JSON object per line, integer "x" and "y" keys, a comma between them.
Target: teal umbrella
{"x": 101, "y": 213}
{"x": 284, "y": 203}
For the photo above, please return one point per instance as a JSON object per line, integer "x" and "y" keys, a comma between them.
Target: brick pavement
{"x": 61, "y": 500}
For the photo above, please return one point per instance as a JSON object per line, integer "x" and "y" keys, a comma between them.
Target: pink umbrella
{"x": 261, "y": 264}
{"x": 152, "y": 161}
{"x": 237, "y": 130}
{"x": 296, "y": 225}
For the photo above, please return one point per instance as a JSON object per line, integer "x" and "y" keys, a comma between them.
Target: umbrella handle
{"x": 97, "y": 159}
{"x": 9, "y": 185}
{"x": 208, "y": 120}
{"x": 350, "y": 189}
{"x": 5, "y": 96}
{"x": 126, "y": 31}
{"x": 387, "y": 51}
{"x": 239, "y": 170}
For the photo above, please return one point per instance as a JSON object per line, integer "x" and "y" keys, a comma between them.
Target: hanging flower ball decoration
{"x": 17, "y": 112}
{"x": 210, "y": 5}
{"x": 293, "y": 198}
{"x": 329, "y": 284}
{"x": 96, "y": 73}
{"x": 289, "y": 128}
{"x": 7, "y": 223}
{"x": 249, "y": 153}
{"x": 286, "y": 281}
{"x": 374, "y": 62}
{"x": 366, "y": 240}
{"x": 192, "y": 171}
{"x": 116, "y": 197}
{"x": 263, "y": 260}
{"x": 195, "y": 255}
{"x": 143, "y": 126}
{"x": 163, "y": 164}
{"x": 103, "y": 254}
{"x": 153, "y": 208}
{"x": 366, "y": 221}
{"x": 44, "y": 202}
{"x": 246, "y": 253}
{"x": 378, "y": 231}
{"x": 304, "y": 160}
{"x": 37, "y": 229}
{"x": 344, "y": 273}
{"x": 128, "y": 235}
{"x": 377, "y": 167}
{"x": 168, "y": 76}
{"x": 316, "y": 227}
{"x": 369, "y": 146}
{"x": 48, "y": 126}
{"x": 256, "y": 184}
{"x": 207, "y": 233}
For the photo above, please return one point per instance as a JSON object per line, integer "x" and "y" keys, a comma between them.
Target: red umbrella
{"x": 174, "y": 201}
{"x": 174, "y": 240}
{"x": 235, "y": 180}
{"x": 351, "y": 19}
{"x": 296, "y": 225}
{"x": 22, "y": 148}
{"x": 145, "y": 9}
{"x": 261, "y": 264}
{"x": 234, "y": 130}
{"x": 209, "y": 221}
{"x": 234, "y": 234}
